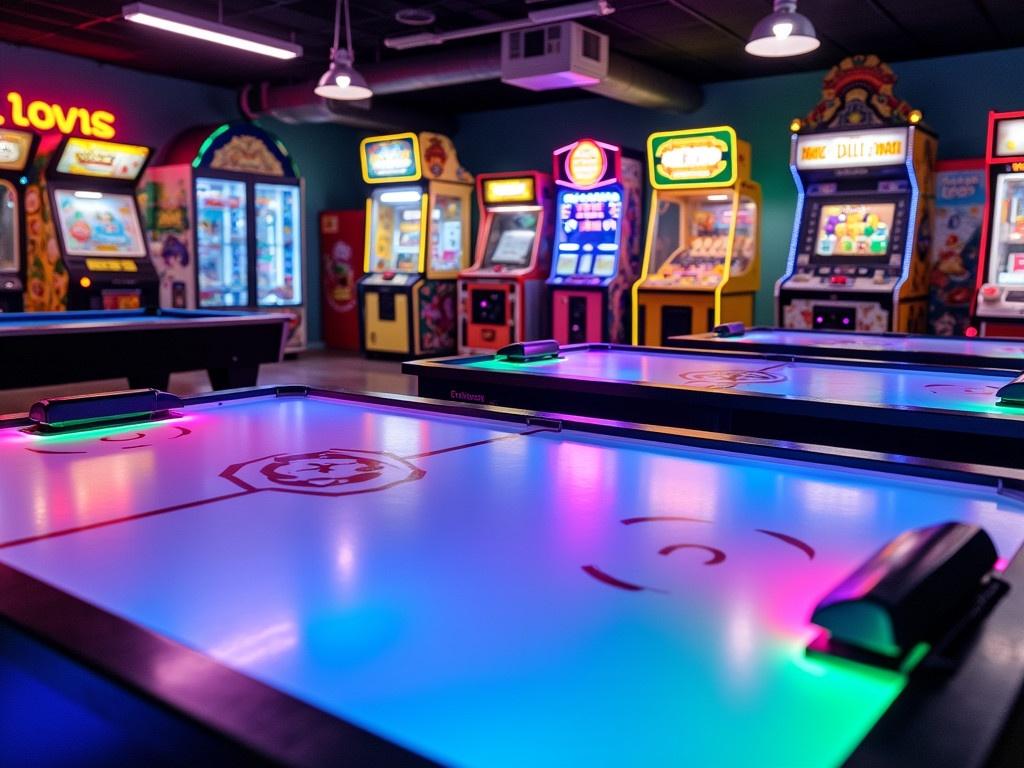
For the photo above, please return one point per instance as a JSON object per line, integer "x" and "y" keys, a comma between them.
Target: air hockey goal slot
{"x": 926, "y": 588}
{"x": 529, "y": 351}
{"x": 1012, "y": 394}
{"x": 63, "y": 414}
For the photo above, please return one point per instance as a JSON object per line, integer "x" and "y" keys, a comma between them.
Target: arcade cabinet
{"x": 597, "y": 241}
{"x": 225, "y": 220}
{"x": 417, "y": 240}
{"x": 702, "y": 261}
{"x": 89, "y": 215}
{"x": 17, "y": 148}
{"x": 999, "y": 299}
{"x": 501, "y": 297}
{"x": 863, "y": 167}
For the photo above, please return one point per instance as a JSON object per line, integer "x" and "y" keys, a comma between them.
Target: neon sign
{"x": 45, "y": 116}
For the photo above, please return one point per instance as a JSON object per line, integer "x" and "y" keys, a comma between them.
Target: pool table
{"x": 311, "y": 578}
{"x": 940, "y": 412}
{"x": 143, "y": 345}
{"x": 1000, "y": 354}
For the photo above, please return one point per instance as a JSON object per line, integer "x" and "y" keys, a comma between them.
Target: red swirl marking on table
{"x": 716, "y": 555}
{"x": 122, "y": 438}
{"x": 476, "y": 443}
{"x": 182, "y": 432}
{"x": 663, "y": 519}
{"x": 803, "y": 546}
{"x": 42, "y": 450}
{"x": 595, "y": 572}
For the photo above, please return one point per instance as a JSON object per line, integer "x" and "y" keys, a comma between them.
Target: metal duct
{"x": 296, "y": 104}
{"x": 628, "y": 81}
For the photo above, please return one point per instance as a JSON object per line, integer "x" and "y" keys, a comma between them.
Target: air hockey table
{"x": 958, "y": 414}
{"x": 996, "y": 353}
{"x": 312, "y": 578}
{"x": 143, "y": 345}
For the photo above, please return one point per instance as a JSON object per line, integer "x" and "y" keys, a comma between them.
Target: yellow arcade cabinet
{"x": 417, "y": 240}
{"x": 702, "y": 259}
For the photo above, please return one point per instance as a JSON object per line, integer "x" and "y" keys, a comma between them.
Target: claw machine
{"x": 224, "y": 213}
{"x": 702, "y": 261}
{"x": 17, "y": 148}
{"x": 417, "y": 241}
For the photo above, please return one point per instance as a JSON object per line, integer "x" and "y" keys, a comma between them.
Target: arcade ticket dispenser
{"x": 597, "y": 241}
{"x": 702, "y": 263}
{"x": 93, "y": 209}
{"x": 225, "y": 214}
{"x": 17, "y": 148}
{"x": 417, "y": 241}
{"x": 999, "y": 300}
{"x": 863, "y": 167}
{"x": 501, "y": 297}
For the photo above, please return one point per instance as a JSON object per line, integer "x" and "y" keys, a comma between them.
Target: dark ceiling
{"x": 699, "y": 40}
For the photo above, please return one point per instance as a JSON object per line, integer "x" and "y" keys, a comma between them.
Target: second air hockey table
{"x": 959, "y": 414}
{"x": 999, "y": 354}
{"x": 312, "y": 578}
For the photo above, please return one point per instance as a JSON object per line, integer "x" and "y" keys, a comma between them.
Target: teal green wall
{"x": 328, "y": 158}
{"x": 954, "y": 93}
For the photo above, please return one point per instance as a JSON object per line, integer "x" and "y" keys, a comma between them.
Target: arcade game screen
{"x": 99, "y": 224}
{"x": 861, "y": 231}
{"x": 588, "y": 232}
{"x": 691, "y": 238}
{"x": 1007, "y": 254}
{"x": 446, "y": 216}
{"x": 397, "y": 221}
{"x": 8, "y": 227}
{"x": 510, "y": 240}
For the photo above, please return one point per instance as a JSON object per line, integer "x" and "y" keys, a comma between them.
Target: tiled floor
{"x": 332, "y": 370}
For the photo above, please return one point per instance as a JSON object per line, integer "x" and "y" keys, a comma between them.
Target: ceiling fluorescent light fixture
{"x": 210, "y": 31}
{"x": 533, "y": 19}
{"x": 783, "y": 32}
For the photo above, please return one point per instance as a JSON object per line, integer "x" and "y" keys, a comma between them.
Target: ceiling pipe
{"x": 628, "y": 81}
{"x": 295, "y": 104}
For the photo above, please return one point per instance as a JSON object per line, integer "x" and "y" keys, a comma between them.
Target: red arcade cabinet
{"x": 501, "y": 296}
{"x": 999, "y": 300}
{"x": 597, "y": 242}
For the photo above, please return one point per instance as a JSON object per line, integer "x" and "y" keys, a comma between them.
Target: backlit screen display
{"x": 99, "y": 224}
{"x": 589, "y": 227}
{"x": 853, "y": 230}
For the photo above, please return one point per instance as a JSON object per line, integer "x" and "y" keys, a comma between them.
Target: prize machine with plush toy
{"x": 702, "y": 260}
{"x": 501, "y": 297}
{"x": 999, "y": 299}
{"x": 86, "y": 247}
{"x": 597, "y": 241}
{"x": 417, "y": 241}
{"x": 17, "y": 148}
{"x": 224, "y": 210}
{"x": 863, "y": 164}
